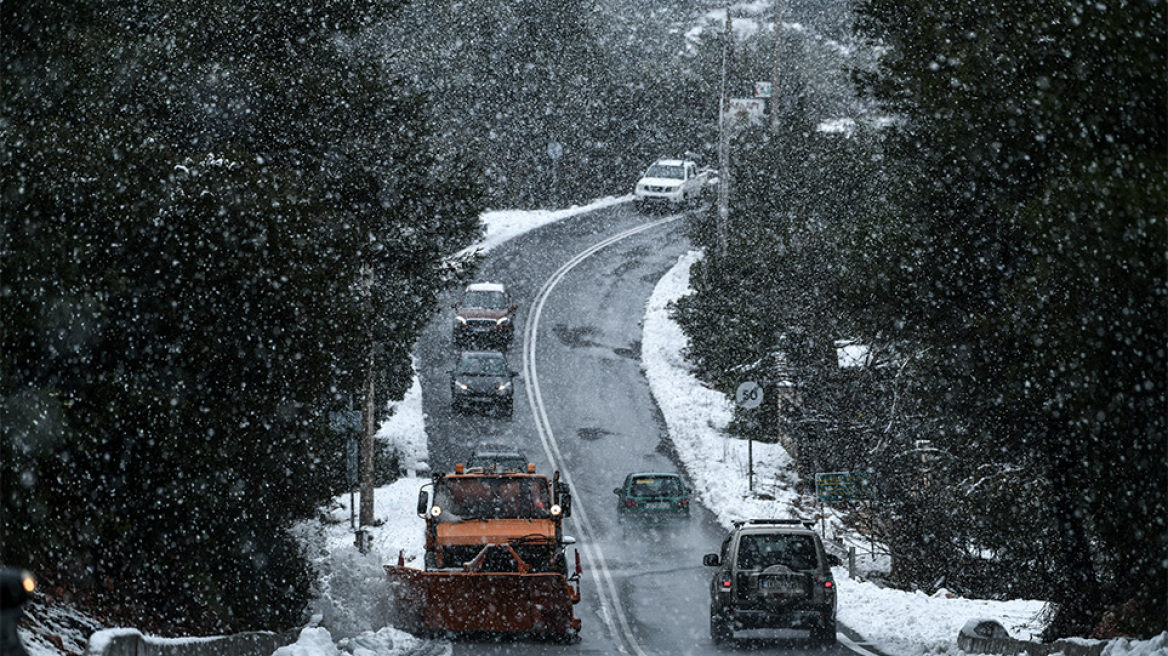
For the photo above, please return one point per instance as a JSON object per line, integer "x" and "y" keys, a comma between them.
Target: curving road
{"x": 583, "y": 406}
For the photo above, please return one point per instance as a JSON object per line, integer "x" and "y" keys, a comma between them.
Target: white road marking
{"x": 611, "y": 608}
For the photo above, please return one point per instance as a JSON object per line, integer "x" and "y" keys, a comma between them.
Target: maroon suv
{"x": 485, "y": 315}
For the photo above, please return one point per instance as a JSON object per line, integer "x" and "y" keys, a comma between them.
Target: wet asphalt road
{"x": 583, "y": 405}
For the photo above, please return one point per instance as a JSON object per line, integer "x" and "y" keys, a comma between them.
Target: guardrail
{"x": 131, "y": 642}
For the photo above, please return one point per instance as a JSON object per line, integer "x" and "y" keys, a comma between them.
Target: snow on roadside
{"x": 507, "y": 224}
{"x": 895, "y": 621}
{"x": 406, "y": 430}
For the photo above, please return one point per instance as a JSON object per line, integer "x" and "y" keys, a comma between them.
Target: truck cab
{"x": 479, "y": 506}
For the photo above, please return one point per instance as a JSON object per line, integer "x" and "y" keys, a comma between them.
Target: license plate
{"x": 781, "y": 585}
{"x": 657, "y": 505}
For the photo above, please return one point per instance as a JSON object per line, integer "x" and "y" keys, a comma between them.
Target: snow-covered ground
{"x": 348, "y": 615}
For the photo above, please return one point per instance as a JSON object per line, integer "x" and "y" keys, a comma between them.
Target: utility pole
{"x": 724, "y": 149}
{"x": 775, "y": 71}
{"x": 368, "y": 427}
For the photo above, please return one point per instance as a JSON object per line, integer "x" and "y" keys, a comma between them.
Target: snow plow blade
{"x": 490, "y": 602}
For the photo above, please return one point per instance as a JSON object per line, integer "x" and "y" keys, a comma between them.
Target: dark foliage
{"x": 508, "y": 78}
{"x": 1000, "y": 250}
{"x": 189, "y": 193}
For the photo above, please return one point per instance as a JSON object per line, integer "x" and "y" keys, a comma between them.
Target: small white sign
{"x": 762, "y": 89}
{"x": 745, "y": 110}
{"x": 749, "y": 395}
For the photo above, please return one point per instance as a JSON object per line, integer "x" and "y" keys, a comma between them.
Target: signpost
{"x": 843, "y": 486}
{"x": 348, "y": 424}
{"x": 749, "y": 396}
{"x": 745, "y": 110}
{"x": 555, "y": 150}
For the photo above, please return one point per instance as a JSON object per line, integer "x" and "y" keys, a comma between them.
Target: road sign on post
{"x": 749, "y": 396}
{"x": 843, "y": 486}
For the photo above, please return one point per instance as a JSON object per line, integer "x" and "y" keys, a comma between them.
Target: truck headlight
{"x": 503, "y": 321}
{"x": 435, "y": 511}
{"x": 460, "y": 319}
{"x": 503, "y": 387}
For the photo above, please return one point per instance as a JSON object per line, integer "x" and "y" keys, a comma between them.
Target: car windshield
{"x": 665, "y": 171}
{"x": 482, "y": 366}
{"x": 767, "y": 550}
{"x": 504, "y": 460}
{"x": 655, "y": 486}
{"x": 488, "y": 300}
{"x": 493, "y": 498}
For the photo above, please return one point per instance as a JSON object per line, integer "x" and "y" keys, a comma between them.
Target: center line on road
{"x": 611, "y": 608}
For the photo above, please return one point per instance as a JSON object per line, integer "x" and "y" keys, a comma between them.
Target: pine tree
{"x": 189, "y": 194}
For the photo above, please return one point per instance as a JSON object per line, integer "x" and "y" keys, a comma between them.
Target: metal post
{"x": 822, "y": 522}
{"x": 724, "y": 149}
{"x": 368, "y": 427}
{"x": 775, "y": 70}
{"x": 750, "y": 460}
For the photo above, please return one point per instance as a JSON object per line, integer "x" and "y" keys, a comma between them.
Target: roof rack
{"x": 807, "y": 523}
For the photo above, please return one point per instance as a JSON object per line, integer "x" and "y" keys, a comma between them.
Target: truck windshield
{"x": 664, "y": 171}
{"x": 513, "y": 497}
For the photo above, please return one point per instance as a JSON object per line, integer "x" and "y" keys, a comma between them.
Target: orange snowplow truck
{"x": 495, "y": 557}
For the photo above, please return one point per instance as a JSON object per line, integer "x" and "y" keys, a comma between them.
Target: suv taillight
{"x": 630, "y": 503}
{"x": 725, "y": 582}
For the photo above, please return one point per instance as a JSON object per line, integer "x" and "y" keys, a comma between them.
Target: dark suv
{"x": 772, "y": 573}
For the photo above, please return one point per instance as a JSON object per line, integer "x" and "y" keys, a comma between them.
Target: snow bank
{"x": 895, "y": 621}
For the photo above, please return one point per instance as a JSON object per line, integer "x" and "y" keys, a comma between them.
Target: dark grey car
{"x": 482, "y": 381}
{"x": 772, "y": 573}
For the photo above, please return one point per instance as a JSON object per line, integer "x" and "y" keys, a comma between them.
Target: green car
{"x": 653, "y": 495}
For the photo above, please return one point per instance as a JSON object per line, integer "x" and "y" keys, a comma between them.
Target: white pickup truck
{"x": 671, "y": 182}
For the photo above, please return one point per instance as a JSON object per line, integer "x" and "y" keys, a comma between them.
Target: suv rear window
{"x": 655, "y": 486}
{"x": 763, "y": 550}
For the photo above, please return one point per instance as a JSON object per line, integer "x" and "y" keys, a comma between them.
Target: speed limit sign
{"x": 749, "y": 395}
